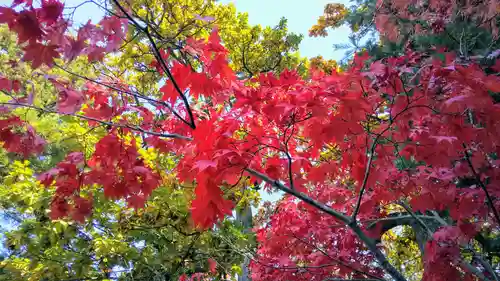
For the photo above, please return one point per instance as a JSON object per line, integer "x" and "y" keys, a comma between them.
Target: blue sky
{"x": 301, "y": 16}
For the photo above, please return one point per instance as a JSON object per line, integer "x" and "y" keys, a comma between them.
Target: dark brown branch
{"x": 482, "y": 185}
{"x": 245, "y": 66}
{"x": 365, "y": 179}
{"x": 162, "y": 62}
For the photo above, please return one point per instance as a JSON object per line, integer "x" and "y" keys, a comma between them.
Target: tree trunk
{"x": 244, "y": 216}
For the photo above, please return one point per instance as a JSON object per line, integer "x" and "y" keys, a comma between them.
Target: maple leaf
{"x": 220, "y": 67}
{"x": 51, "y": 11}
{"x": 212, "y": 266}
{"x": 40, "y": 54}
{"x": 59, "y": 208}
{"x": 82, "y": 209}
{"x": 8, "y": 15}
{"x": 73, "y": 48}
{"x": 9, "y": 85}
{"x": 136, "y": 201}
{"x": 48, "y": 177}
{"x": 214, "y": 42}
{"x": 202, "y": 165}
{"x": 87, "y": 31}
{"x": 209, "y": 205}
{"x": 169, "y": 92}
{"x": 95, "y": 53}
{"x": 27, "y": 27}
{"x": 69, "y": 101}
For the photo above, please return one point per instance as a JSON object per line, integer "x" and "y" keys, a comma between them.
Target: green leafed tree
{"x": 155, "y": 242}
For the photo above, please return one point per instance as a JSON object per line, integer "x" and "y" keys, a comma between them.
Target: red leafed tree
{"x": 417, "y": 130}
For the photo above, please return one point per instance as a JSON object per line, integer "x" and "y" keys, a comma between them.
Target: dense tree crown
{"x": 392, "y": 156}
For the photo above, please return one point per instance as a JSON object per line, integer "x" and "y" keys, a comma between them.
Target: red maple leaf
{"x": 51, "y": 11}
{"x": 209, "y": 205}
{"x": 59, "y": 208}
{"x": 96, "y": 53}
{"x": 214, "y": 42}
{"x": 27, "y": 26}
{"x": 82, "y": 209}
{"x": 212, "y": 266}
{"x": 73, "y": 48}
{"x": 9, "y": 85}
{"x": 70, "y": 101}
{"x": 8, "y": 16}
{"x": 40, "y": 54}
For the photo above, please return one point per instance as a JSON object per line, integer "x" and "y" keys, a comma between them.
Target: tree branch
{"x": 365, "y": 179}
{"x": 134, "y": 128}
{"x": 339, "y": 261}
{"x": 136, "y": 95}
{"x": 369, "y": 243}
{"x": 474, "y": 271}
{"x": 420, "y": 221}
{"x": 483, "y": 186}
{"x": 162, "y": 62}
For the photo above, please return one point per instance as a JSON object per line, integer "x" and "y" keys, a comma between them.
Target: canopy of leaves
{"x": 156, "y": 242}
{"x": 416, "y": 128}
{"x": 387, "y": 27}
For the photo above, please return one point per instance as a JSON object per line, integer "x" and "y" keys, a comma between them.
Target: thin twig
{"x": 134, "y": 128}
{"x": 365, "y": 180}
{"x": 160, "y": 59}
{"x": 138, "y": 95}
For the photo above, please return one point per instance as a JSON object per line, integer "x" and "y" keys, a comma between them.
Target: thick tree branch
{"x": 486, "y": 266}
{"x": 419, "y": 220}
{"x": 474, "y": 271}
{"x": 245, "y": 66}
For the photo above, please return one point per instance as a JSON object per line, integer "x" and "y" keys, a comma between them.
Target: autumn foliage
{"x": 432, "y": 17}
{"x": 420, "y": 130}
